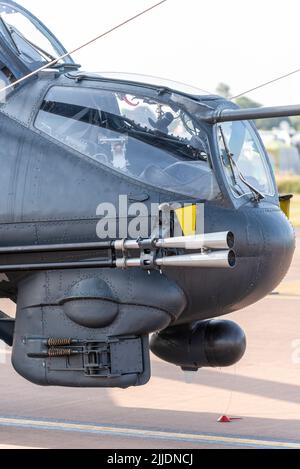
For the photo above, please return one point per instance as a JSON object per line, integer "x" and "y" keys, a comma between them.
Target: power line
{"x": 106, "y": 33}
{"x": 266, "y": 83}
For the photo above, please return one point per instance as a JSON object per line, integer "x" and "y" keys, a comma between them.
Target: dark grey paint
{"x": 49, "y": 194}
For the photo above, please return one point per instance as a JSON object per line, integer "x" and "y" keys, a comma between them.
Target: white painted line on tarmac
{"x": 17, "y": 447}
{"x": 146, "y": 434}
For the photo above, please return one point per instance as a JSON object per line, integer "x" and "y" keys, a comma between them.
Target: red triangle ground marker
{"x": 226, "y": 419}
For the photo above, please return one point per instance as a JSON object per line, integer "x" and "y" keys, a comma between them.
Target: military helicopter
{"x": 202, "y": 235}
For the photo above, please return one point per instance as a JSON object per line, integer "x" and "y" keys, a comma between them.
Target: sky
{"x": 201, "y": 43}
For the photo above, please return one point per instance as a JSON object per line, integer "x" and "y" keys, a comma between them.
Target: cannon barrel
{"x": 216, "y": 259}
{"x": 223, "y": 240}
{"x": 228, "y": 115}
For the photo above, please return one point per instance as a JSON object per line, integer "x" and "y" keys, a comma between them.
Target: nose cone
{"x": 264, "y": 247}
{"x": 268, "y": 252}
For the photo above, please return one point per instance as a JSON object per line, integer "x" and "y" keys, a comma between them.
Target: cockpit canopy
{"x": 143, "y": 138}
{"x": 25, "y": 43}
{"x": 154, "y": 137}
{"x": 155, "y": 140}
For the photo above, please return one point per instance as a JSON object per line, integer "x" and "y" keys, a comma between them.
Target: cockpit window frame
{"x": 137, "y": 90}
{"x": 10, "y": 56}
{"x": 248, "y": 195}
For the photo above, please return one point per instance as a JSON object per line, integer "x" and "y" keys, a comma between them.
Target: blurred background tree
{"x": 223, "y": 90}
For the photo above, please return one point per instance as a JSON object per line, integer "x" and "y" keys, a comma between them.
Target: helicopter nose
{"x": 264, "y": 244}
{"x": 269, "y": 249}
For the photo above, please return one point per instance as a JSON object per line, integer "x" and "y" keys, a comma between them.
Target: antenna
{"x": 270, "y": 82}
{"x": 106, "y": 33}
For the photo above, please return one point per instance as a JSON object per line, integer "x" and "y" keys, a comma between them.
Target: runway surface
{"x": 263, "y": 390}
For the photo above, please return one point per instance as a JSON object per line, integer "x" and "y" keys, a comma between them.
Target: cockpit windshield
{"x": 30, "y": 43}
{"x": 27, "y": 37}
{"x": 148, "y": 140}
{"x": 244, "y": 160}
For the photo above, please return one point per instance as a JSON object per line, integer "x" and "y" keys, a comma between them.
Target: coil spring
{"x": 52, "y": 342}
{"x": 59, "y": 352}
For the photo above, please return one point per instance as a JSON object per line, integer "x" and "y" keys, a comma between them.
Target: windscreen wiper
{"x": 8, "y": 32}
{"x": 49, "y": 57}
{"x": 233, "y": 165}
